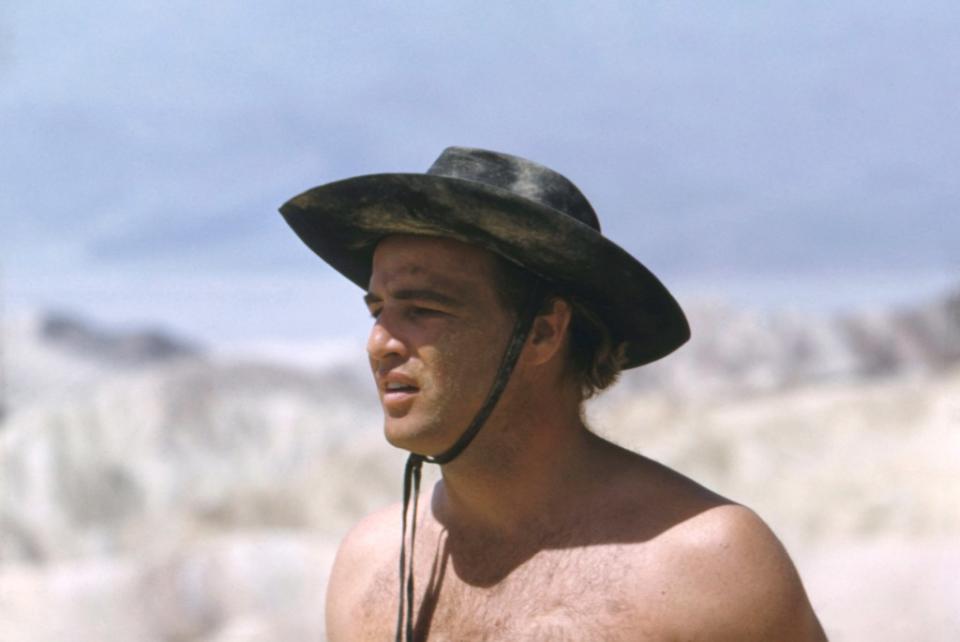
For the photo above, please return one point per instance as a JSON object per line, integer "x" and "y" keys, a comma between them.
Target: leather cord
{"x": 411, "y": 483}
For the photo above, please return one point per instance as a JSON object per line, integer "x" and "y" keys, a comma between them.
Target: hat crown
{"x": 520, "y": 176}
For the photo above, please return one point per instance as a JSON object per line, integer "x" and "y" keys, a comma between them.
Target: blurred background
{"x": 186, "y": 425}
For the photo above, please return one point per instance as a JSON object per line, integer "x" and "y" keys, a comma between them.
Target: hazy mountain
{"x": 735, "y": 351}
{"x": 49, "y": 356}
{"x": 122, "y": 348}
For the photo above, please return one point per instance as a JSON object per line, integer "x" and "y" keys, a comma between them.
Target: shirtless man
{"x": 538, "y": 529}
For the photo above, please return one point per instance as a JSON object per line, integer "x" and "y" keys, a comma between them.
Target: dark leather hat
{"x": 523, "y": 211}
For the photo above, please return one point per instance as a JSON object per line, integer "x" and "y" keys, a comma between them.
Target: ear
{"x": 549, "y": 330}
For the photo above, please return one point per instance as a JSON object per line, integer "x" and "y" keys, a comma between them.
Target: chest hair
{"x": 558, "y": 594}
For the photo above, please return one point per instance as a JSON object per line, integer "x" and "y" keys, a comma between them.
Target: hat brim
{"x": 342, "y": 222}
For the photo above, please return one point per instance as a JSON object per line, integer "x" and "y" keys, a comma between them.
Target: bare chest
{"x": 535, "y": 603}
{"x": 581, "y": 594}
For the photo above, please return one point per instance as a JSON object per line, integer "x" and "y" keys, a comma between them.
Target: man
{"x": 498, "y": 309}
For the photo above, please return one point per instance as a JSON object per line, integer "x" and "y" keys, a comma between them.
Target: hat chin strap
{"x": 411, "y": 476}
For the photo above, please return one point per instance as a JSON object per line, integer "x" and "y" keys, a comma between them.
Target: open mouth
{"x": 399, "y": 389}
{"x": 398, "y": 397}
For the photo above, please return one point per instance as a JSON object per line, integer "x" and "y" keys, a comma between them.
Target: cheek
{"x": 465, "y": 363}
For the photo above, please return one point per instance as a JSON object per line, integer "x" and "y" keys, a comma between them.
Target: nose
{"x": 383, "y": 344}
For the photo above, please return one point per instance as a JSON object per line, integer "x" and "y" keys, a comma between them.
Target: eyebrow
{"x": 419, "y": 294}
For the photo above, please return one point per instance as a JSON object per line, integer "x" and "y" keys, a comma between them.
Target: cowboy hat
{"x": 518, "y": 209}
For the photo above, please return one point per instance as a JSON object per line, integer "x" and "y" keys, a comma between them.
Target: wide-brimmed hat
{"x": 521, "y": 210}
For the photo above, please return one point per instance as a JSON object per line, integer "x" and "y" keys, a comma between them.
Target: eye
{"x": 375, "y": 312}
{"x": 420, "y": 312}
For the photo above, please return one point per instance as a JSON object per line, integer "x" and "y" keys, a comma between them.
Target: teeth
{"x": 397, "y": 386}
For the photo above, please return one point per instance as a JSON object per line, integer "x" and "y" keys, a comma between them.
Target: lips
{"x": 397, "y": 389}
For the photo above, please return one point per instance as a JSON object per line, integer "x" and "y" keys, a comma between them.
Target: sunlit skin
{"x": 540, "y": 530}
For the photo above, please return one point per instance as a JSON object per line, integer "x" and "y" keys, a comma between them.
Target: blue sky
{"x": 780, "y": 153}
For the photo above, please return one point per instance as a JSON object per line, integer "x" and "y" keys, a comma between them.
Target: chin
{"x": 400, "y": 433}
{"x": 408, "y": 435}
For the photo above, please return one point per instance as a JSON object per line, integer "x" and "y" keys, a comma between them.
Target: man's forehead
{"x": 434, "y": 259}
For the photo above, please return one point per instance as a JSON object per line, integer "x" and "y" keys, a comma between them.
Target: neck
{"x": 532, "y": 459}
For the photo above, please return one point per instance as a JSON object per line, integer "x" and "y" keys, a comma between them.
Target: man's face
{"x": 439, "y": 333}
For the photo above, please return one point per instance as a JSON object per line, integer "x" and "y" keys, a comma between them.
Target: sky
{"x": 791, "y": 154}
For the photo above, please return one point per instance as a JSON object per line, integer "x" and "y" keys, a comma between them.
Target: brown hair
{"x": 595, "y": 357}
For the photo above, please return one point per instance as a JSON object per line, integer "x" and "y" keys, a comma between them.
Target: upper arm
{"x": 742, "y": 583}
{"x": 353, "y": 586}
{"x": 342, "y": 591}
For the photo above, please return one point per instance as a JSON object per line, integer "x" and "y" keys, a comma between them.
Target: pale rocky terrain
{"x": 153, "y": 492}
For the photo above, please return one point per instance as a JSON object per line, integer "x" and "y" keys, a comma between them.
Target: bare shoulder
{"x": 363, "y": 574}
{"x": 733, "y": 579}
